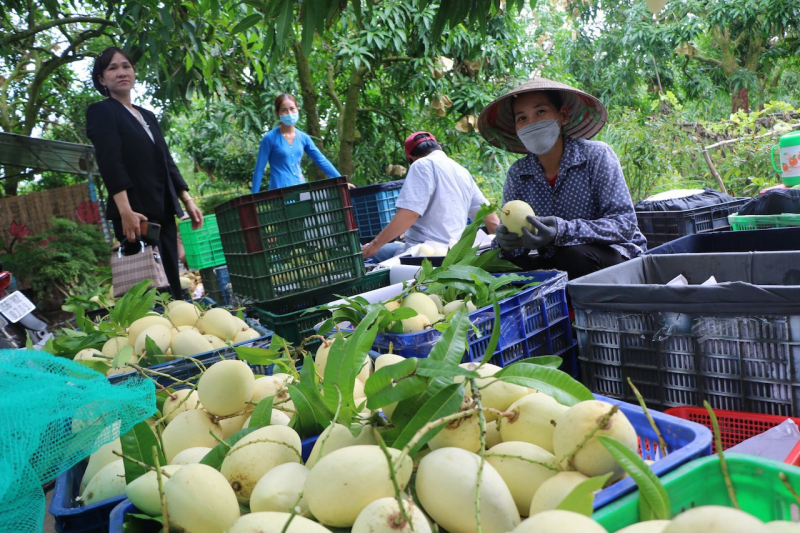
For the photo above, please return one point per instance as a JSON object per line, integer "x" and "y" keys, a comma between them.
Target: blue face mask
{"x": 290, "y": 119}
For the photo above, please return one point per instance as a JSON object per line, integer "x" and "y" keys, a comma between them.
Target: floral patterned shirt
{"x": 590, "y": 197}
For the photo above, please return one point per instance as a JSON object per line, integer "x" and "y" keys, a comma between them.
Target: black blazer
{"x": 130, "y": 161}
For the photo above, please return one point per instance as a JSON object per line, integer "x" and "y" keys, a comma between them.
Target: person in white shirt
{"x": 437, "y": 198}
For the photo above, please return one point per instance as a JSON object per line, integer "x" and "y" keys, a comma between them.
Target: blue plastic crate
{"x": 685, "y": 441}
{"x": 374, "y": 207}
{"x": 224, "y": 280}
{"x": 533, "y": 322}
{"x": 70, "y": 518}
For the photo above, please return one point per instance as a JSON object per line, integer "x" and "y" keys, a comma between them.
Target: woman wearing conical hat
{"x": 585, "y": 219}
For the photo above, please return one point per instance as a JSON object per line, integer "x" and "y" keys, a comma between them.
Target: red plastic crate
{"x": 736, "y": 426}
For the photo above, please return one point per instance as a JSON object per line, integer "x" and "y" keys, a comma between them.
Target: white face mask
{"x": 540, "y": 137}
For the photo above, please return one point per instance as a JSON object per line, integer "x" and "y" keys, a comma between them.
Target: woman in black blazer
{"x": 135, "y": 163}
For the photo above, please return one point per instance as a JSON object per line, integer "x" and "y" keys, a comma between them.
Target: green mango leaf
{"x": 247, "y": 23}
{"x": 313, "y": 414}
{"x": 262, "y": 414}
{"x": 428, "y": 368}
{"x": 384, "y": 377}
{"x": 654, "y": 502}
{"x": 463, "y": 248}
{"x": 404, "y": 389}
{"x": 279, "y": 344}
{"x": 559, "y": 385}
{"x": 326, "y": 327}
{"x": 444, "y": 403}
{"x": 581, "y": 498}
{"x": 135, "y": 304}
{"x": 553, "y": 361}
{"x": 401, "y": 313}
{"x": 345, "y": 360}
{"x": 452, "y": 344}
{"x": 407, "y": 409}
{"x": 217, "y": 454}
{"x": 150, "y": 347}
{"x": 97, "y": 366}
{"x": 257, "y": 356}
{"x": 138, "y": 444}
{"x": 125, "y": 354}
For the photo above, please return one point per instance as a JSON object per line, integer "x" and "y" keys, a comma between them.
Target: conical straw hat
{"x": 587, "y": 114}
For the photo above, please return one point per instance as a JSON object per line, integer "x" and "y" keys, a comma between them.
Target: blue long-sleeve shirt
{"x": 590, "y": 197}
{"x": 284, "y": 160}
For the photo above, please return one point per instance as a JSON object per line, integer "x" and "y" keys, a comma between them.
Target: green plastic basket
{"x": 203, "y": 247}
{"x": 758, "y": 489}
{"x": 291, "y": 241}
{"x": 288, "y": 321}
{"x": 751, "y": 222}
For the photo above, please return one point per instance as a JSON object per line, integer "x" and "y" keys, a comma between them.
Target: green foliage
{"x": 59, "y": 259}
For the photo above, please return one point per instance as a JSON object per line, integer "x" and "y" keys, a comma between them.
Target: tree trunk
{"x": 309, "y": 105}
{"x": 347, "y": 121}
{"x": 740, "y": 100}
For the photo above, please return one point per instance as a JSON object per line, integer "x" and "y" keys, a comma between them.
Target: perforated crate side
{"x": 740, "y": 364}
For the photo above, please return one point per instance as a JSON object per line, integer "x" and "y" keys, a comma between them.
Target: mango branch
{"x": 661, "y": 442}
{"x": 785, "y": 480}
{"x": 482, "y": 425}
{"x": 600, "y": 425}
{"x": 146, "y": 466}
{"x": 404, "y": 517}
{"x": 161, "y": 490}
{"x": 433, "y": 424}
{"x": 723, "y": 465}
{"x": 548, "y": 466}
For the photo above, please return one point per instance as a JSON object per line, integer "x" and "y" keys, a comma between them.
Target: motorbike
{"x": 17, "y": 321}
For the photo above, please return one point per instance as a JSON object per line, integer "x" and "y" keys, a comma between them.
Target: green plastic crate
{"x": 287, "y": 318}
{"x": 751, "y": 222}
{"x": 291, "y": 241}
{"x": 755, "y": 480}
{"x": 203, "y": 247}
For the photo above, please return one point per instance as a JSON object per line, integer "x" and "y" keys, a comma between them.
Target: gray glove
{"x": 507, "y": 241}
{"x": 547, "y": 229}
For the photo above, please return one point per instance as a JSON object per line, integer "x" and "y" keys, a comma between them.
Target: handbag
{"x": 128, "y": 270}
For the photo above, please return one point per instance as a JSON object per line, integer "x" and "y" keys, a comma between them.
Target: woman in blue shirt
{"x": 585, "y": 219}
{"x": 283, "y": 148}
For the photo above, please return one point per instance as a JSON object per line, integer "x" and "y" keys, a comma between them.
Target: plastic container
{"x": 290, "y": 321}
{"x": 773, "y": 240}
{"x": 374, "y": 207}
{"x": 756, "y": 482}
{"x": 203, "y": 247}
{"x": 735, "y": 344}
{"x": 211, "y": 285}
{"x": 663, "y": 226}
{"x": 533, "y": 322}
{"x": 753, "y": 222}
{"x": 224, "y": 281}
{"x": 185, "y": 368}
{"x": 685, "y": 441}
{"x": 736, "y": 426}
{"x": 290, "y": 241}
{"x": 70, "y": 518}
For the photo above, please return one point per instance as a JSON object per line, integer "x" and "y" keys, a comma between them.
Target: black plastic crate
{"x": 663, "y": 226}
{"x": 683, "y": 345}
{"x": 765, "y": 240}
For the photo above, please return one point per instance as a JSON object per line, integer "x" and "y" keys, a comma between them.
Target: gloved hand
{"x": 507, "y": 241}
{"x": 547, "y": 229}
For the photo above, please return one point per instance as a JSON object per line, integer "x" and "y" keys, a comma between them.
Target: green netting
{"x": 53, "y": 413}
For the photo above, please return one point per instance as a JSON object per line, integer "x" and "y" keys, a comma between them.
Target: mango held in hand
{"x": 513, "y": 215}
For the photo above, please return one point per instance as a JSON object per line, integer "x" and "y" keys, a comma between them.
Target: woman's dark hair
{"x": 555, "y": 98}
{"x": 282, "y": 98}
{"x": 101, "y": 63}
{"x": 425, "y": 147}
